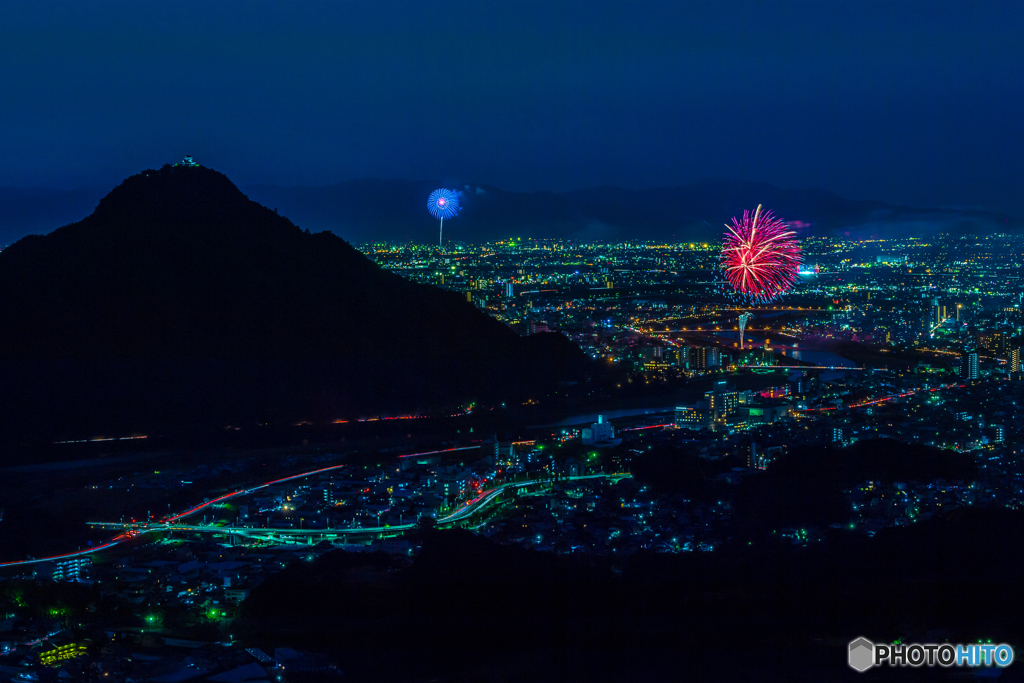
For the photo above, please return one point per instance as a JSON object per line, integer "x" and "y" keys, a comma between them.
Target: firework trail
{"x": 760, "y": 256}
{"x": 443, "y": 204}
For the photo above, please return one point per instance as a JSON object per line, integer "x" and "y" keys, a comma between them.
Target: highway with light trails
{"x": 168, "y": 524}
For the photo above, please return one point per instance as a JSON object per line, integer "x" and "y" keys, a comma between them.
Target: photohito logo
{"x": 863, "y": 654}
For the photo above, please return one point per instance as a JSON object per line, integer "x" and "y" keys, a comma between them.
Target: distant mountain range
{"x": 395, "y": 210}
{"x": 180, "y": 304}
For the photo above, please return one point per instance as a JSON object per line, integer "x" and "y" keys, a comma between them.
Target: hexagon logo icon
{"x": 862, "y": 654}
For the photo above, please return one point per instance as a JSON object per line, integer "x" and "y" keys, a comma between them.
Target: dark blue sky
{"x": 908, "y": 102}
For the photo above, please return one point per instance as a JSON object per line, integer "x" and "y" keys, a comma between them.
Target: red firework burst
{"x": 760, "y": 256}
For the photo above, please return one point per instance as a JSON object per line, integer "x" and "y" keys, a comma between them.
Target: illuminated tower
{"x": 744, "y": 317}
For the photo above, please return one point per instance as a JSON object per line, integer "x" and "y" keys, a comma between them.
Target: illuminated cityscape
{"x": 705, "y": 361}
{"x": 868, "y": 346}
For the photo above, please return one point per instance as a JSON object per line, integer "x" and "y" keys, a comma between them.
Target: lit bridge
{"x": 798, "y": 367}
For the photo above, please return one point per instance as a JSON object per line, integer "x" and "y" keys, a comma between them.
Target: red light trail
{"x": 634, "y": 429}
{"x": 885, "y": 399}
{"x": 120, "y": 538}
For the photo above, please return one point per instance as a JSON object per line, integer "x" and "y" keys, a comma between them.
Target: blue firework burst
{"x": 443, "y": 203}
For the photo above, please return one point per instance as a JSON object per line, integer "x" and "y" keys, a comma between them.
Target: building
{"x": 775, "y": 392}
{"x": 837, "y": 435}
{"x": 705, "y": 357}
{"x": 653, "y": 359}
{"x": 1015, "y": 359}
{"x": 996, "y": 343}
{"x": 721, "y": 401}
{"x": 937, "y": 314}
{"x": 599, "y": 432}
{"x": 761, "y": 459}
{"x": 535, "y": 327}
{"x": 61, "y": 652}
{"x": 679, "y": 356}
{"x": 969, "y": 365}
{"x": 695, "y": 417}
{"x": 63, "y": 570}
{"x": 765, "y": 413}
{"x": 451, "y": 481}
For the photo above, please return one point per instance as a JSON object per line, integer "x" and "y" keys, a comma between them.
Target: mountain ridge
{"x": 363, "y": 210}
{"x": 181, "y": 302}
{"x": 393, "y": 210}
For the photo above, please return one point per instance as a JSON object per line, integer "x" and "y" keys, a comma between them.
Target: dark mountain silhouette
{"x": 24, "y": 211}
{"x": 181, "y": 303}
{"x": 394, "y": 210}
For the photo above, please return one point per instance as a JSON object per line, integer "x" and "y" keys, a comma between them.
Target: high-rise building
{"x": 705, "y": 357}
{"x": 938, "y": 313}
{"x": 969, "y": 365}
{"x": 837, "y": 435}
{"x": 652, "y": 353}
{"x": 722, "y": 402}
{"x": 1015, "y": 359}
{"x": 679, "y": 356}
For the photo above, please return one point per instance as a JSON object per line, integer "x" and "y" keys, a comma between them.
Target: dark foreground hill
{"x": 180, "y": 303}
{"x": 473, "y": 610}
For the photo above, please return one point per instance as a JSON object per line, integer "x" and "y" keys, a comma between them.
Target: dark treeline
{"x": 467, "y": 600}
{"x": 804, "y": 486}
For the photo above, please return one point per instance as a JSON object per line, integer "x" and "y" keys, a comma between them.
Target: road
{"x": 133, "y": 530}
{"x": 886, "y": 399}
{"x": 463, "y": 513}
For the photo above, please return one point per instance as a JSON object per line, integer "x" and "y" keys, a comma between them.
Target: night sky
{"x": 917, "y": 103}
